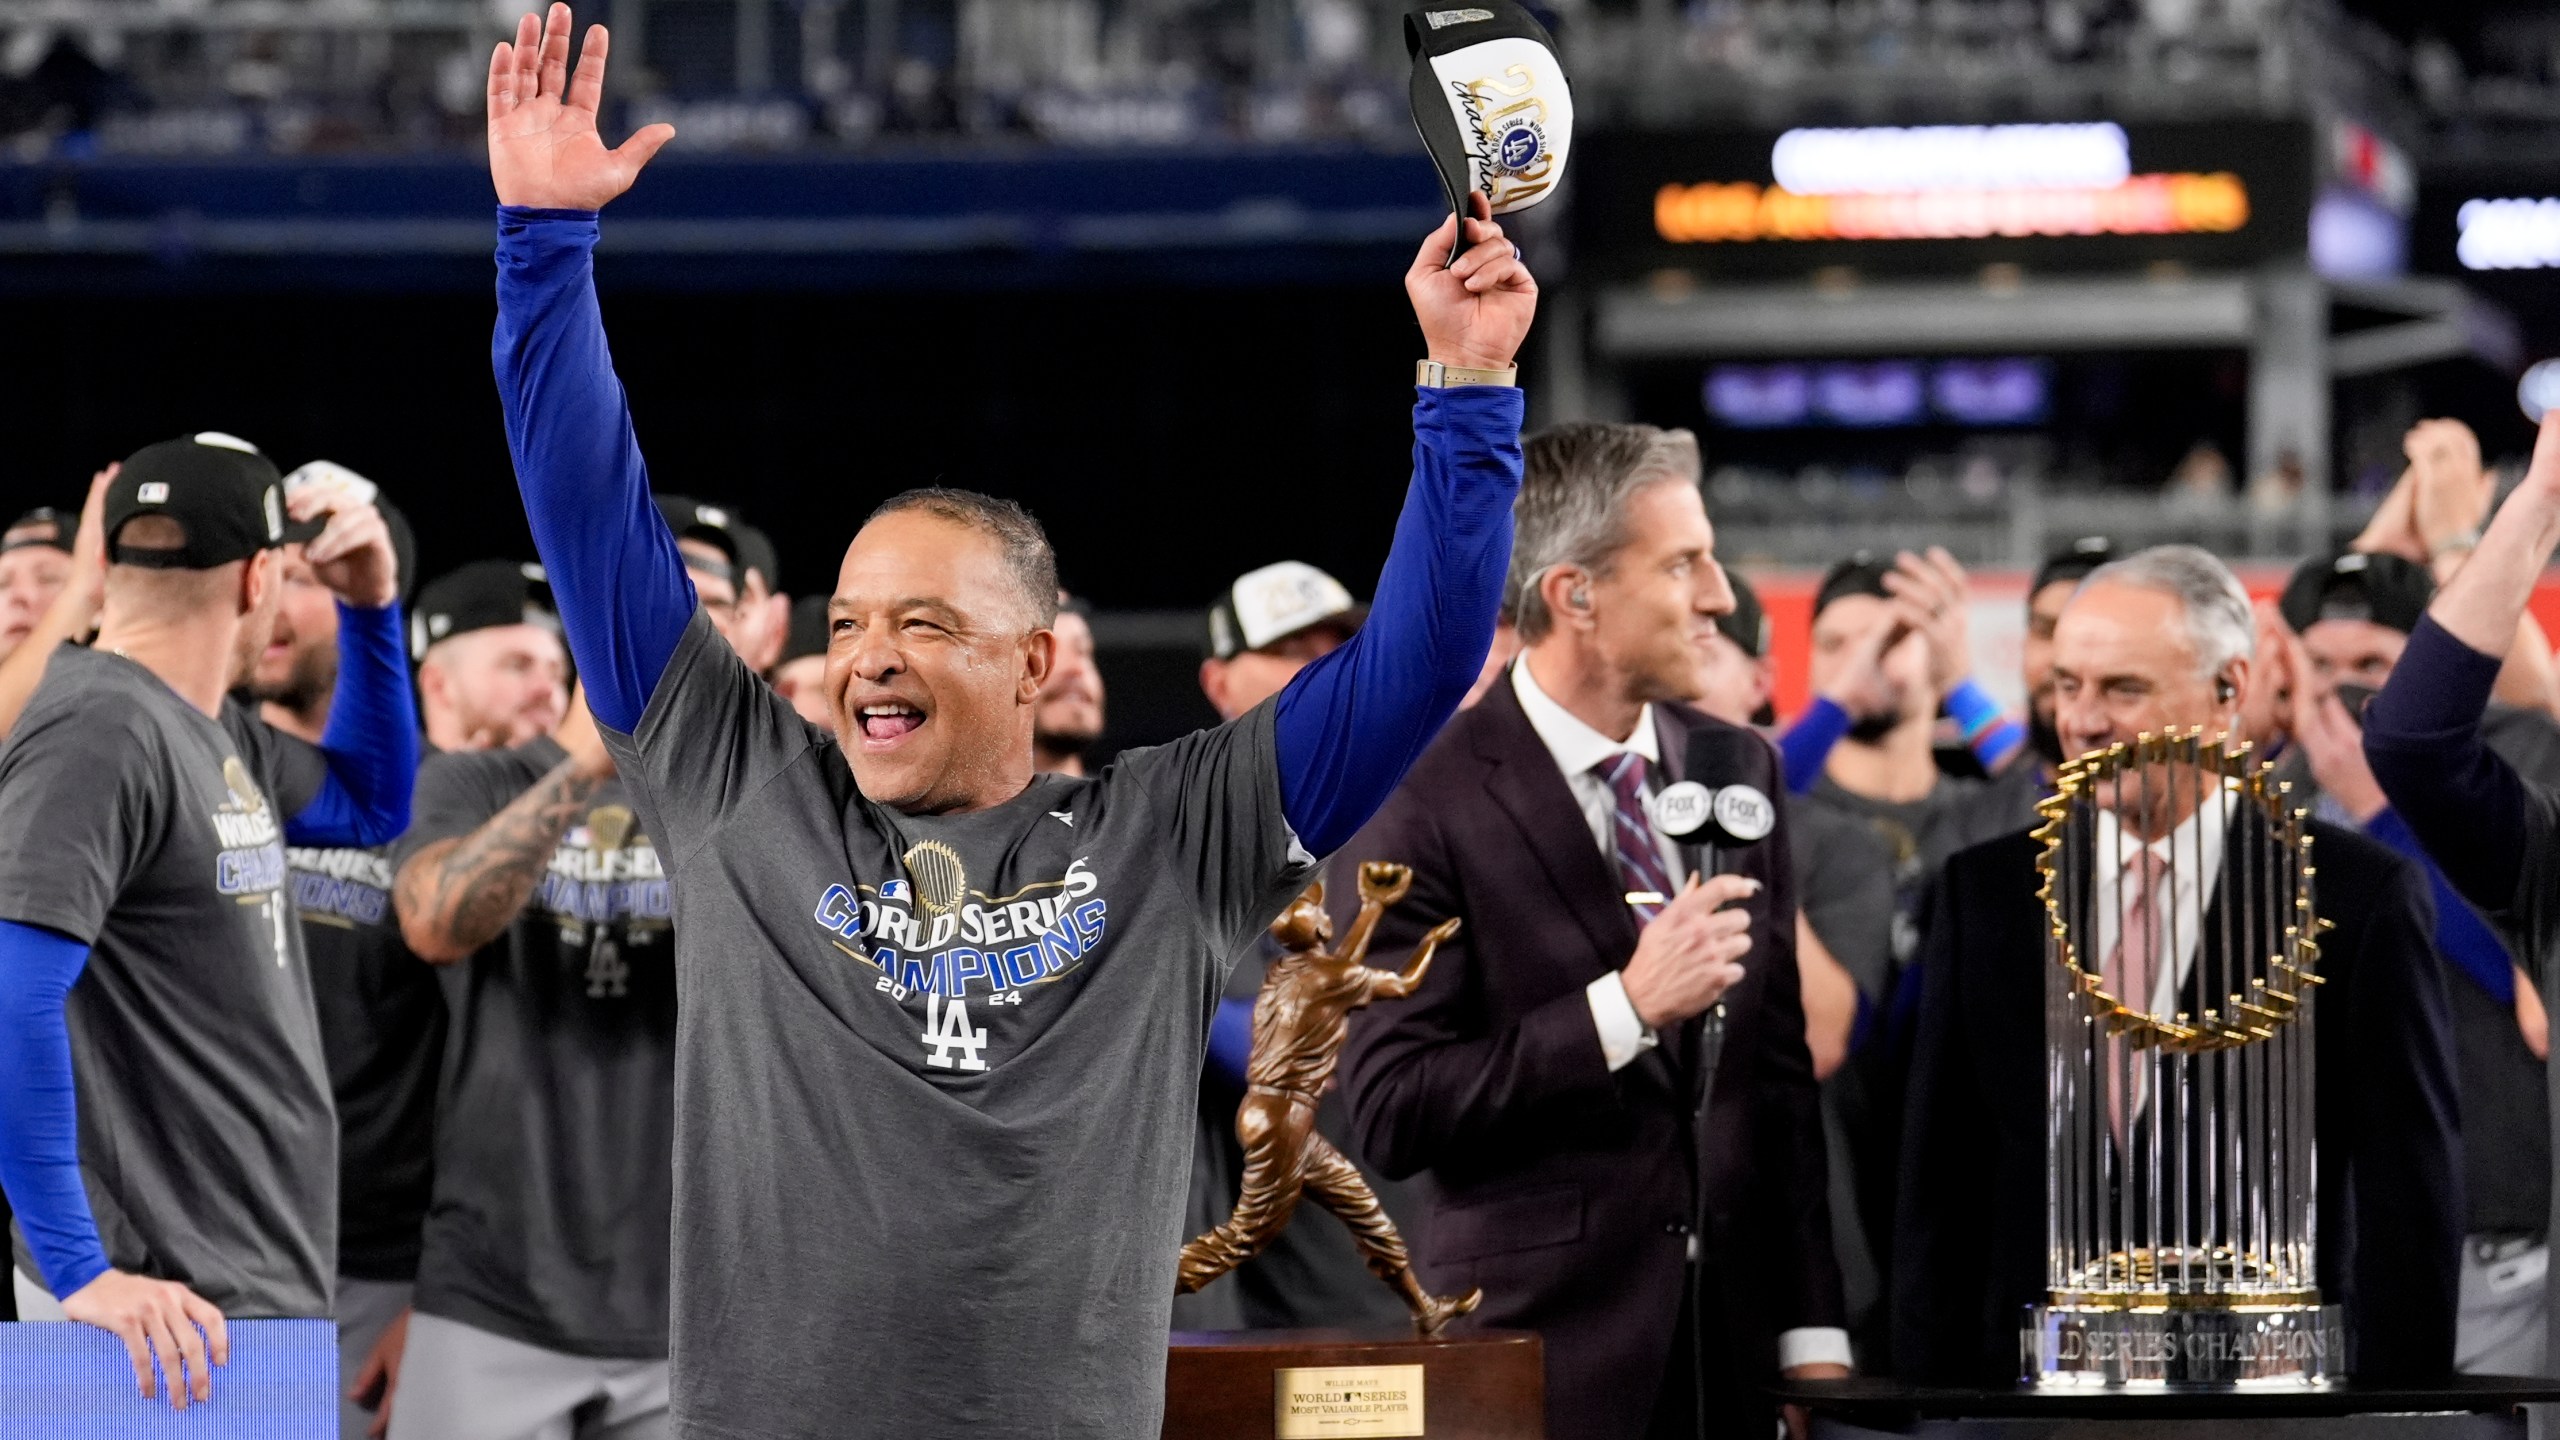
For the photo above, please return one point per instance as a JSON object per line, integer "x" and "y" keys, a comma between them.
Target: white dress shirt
{"x": 1578, "y": 749}
{"x": 2193, "y": 855}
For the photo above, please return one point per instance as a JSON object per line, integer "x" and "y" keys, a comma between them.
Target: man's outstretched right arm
{"x": 620, "y": 584}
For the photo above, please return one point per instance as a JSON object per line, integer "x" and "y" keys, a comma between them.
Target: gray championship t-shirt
{"x": 382, "y": 1028}
{"x": 556, "y": 1109}
{"x": 936, "y": 1074}
{"x": 155, "y": 834}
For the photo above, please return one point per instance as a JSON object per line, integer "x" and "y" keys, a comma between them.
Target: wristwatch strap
{"x": 1432, "y": 375}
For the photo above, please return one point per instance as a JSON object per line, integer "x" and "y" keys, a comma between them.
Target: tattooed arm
{"x": 457, "y": 895}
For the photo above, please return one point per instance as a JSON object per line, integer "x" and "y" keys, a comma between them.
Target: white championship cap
{"x": 1274, "y": 603}
{"x": 1490, "y": 99}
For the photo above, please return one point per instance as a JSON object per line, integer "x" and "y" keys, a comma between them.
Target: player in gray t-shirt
{"x": 169, "y": 1143}
{"x": 941, "y": 1020}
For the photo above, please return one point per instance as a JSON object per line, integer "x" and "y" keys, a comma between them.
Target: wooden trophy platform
{"x": 1301, "y": 1384}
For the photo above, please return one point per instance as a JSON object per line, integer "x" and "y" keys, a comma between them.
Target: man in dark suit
{"x": 2158, "y": 640}
{"x": 1546, "y": 1080}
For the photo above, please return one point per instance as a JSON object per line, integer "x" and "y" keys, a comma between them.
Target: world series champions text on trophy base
{"x": 1300, "y": 1020}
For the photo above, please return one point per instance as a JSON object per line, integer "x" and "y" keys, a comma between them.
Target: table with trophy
{"x": 2182, "y": 1170}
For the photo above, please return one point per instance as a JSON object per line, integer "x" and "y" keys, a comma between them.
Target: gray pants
{"x": 34, "y": 1301}
{"x": 366, "y": 1308}
{"x": 458, "y": 1382}
{"x": 2500, "y": 1328}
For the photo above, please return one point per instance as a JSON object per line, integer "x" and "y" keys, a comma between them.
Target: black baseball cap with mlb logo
{"x": 226, "y": 497}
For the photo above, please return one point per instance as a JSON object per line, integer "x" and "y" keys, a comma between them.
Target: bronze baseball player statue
{"x": 1299, "y": 1022}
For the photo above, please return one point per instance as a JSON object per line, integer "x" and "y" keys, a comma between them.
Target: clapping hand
{"x": 1474, "y": 312}
{"x": 544, "y": 152}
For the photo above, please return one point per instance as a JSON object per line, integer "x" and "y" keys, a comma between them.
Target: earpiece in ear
{"x": 1581, "y": 597}
{"x": 2225, "y": 691}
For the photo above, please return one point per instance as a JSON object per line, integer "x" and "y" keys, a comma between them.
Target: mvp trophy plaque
{"x": 1321, "y": 1384}
{"x": 2183, "y": 958}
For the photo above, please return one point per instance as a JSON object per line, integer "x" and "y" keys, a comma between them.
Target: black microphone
{"x": 1720, "y": 806}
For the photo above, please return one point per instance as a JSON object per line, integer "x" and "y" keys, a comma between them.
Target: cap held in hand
{"x": 1490, "y": 99}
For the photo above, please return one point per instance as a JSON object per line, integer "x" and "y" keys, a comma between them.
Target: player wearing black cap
{"x": 798, "y": 677}
{"x": 169, "y": 1144}
{"x": 35, "y": 563}
{"x": 2353, "y": 615}
{"x": 2016, "y": 789}
{"x": 766, "y": 610}
{"x": 72, "y": 614}
{"x": 1066, "y": 721}
{"x": 530, "y": 881}
{"x": 491, "y": 669}
{"x": 1740, "y": 675}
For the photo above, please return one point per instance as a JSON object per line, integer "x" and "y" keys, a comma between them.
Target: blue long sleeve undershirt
{"x": 371, "y": 741}
{"x": 40, "y": 1124}
{"x": 1993, "y": 737}
{"x": 1348, "y": 727}
{"x": 2422, "y": 737}
{"x": 371, "y": 749}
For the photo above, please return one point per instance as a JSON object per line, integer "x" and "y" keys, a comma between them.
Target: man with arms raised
{"x": 943, "y": 1020}
{"x": 169, "y": 1143}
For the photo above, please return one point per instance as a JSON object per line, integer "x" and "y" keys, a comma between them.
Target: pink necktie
{"x": 2133, "y": 967}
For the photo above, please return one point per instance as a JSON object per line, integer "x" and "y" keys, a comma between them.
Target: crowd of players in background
{"x": 498, "y": 1014}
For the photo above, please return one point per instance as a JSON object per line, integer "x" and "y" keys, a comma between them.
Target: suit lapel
{"x": 1525, "y": 783}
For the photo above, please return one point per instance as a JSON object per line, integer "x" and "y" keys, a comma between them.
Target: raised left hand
{"x": 352, "y": 555}
{"x": 1476, "y": 312}
{"x": 1934, "y": 586}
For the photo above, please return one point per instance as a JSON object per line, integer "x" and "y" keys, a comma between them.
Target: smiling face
{"x": 1068, "y": 717}
{"x": 299, "y": 665}
{"x": 1653, "y": 615}
{"x": 934, "y": 664}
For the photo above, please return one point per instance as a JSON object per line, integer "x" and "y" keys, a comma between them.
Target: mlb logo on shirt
{"x": 893, "y": 890}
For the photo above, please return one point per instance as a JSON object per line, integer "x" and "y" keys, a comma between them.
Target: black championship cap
{"x": 1487, "y": 132}
{"x": 226, "y": 497}
{"x": 808, "y": 633}
{"x": 2385, "y": 589}
{"x": 319, "y": 473}
{"x": 1861, "y": 574}
{"x": 43, "y": 526}
{"x": 2076, "y": 563}
{"x": 1275, "y": 602}
{"x": 713, "y": 525}
{"x": 1746, "y": 625}
{"x": 756, "y": 552}
{"x": 482, "y": 595}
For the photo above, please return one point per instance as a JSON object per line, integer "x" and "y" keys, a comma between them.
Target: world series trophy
{"x": 2183, "y": 949}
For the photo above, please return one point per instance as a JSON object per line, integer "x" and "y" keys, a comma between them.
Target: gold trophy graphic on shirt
{"x": 2183, "y": 952}
{"x": 1300, "y": 1020}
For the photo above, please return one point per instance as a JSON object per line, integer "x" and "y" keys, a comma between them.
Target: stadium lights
{"x": 1892, "y": 160}
{"x": 2180, "y": 204}
{"x": 2509, "y": 234}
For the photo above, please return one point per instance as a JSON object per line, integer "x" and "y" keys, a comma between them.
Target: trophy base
{"x": 2240, "y": 1347}
{"x": 1318, "y": 1384}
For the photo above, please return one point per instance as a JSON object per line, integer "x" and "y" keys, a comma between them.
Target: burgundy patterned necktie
{"x": 1631, "y": 831}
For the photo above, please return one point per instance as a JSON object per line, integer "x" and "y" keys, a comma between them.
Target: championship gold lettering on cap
{"x": 1491, "y": 102}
